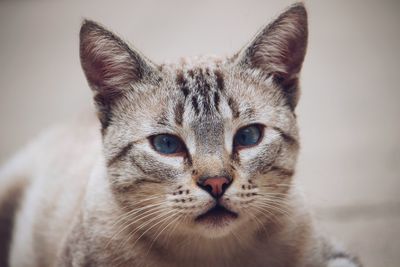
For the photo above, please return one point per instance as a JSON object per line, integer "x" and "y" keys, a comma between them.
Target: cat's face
{"x": 204, "y": 146}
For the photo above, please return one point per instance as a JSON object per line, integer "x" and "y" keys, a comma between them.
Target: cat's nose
{"x": 215, "y": 186}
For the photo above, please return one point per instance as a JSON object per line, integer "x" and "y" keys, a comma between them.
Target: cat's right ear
{"x": 111, "y": 67}
{"x": 278, "y": 51}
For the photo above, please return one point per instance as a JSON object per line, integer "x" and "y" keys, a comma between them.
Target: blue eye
{"x": 248, "y": 136}
{"x": 167, "y": 144}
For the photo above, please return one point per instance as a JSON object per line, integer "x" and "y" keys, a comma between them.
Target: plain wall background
{"x": 348, "y": 113}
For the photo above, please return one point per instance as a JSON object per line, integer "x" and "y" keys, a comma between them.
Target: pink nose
{"x": 216, "y": 186}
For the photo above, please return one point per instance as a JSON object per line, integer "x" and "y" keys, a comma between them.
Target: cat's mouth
{"x": 217, "y": 216}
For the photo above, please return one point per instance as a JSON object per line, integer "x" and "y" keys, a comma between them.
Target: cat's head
{"x": 206, "y": 145}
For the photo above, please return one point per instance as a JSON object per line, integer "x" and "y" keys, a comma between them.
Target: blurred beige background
{"x": 349, "y": 111}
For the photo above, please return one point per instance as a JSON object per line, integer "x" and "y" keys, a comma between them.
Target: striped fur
{"x": 112, "y": 200}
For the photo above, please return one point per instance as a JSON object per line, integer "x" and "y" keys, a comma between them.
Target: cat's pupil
{"x": 243, "y": 138}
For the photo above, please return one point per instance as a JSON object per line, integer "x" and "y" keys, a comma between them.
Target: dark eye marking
{"x": 248, "y": 136}
{"x": 168, "y": 144}
{"x": 287, "y": 137}
{"x": 234, "y": 106}
{"x": 179, "y": 110}
{"x": 121, "y": 154}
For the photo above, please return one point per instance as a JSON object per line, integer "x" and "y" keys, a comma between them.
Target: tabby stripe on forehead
{"x": 203, "y": 88}
{"x": 195, "y": 105}
{"x": 182, "y": 83}
{"x": 163, "y": 120}
{"x": 216, "y": 100}
{"x": 220, "y": 79}
{"x": 191, "y": 73}
{"x": 121, "y": 154}
{"x": 234, "y": 107}
{"x": 179, "y": 110}
{"x": 248, "y": 113}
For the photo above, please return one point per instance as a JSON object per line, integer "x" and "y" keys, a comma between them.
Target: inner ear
{"x": 108, "y": 62}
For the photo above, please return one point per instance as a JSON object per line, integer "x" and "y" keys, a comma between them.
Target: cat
{"x": 193, "y": 164}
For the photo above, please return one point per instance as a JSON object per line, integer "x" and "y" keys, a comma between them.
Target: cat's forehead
{"x": 214, "y": 86}
{"x": 199, "y": 81}
{"x": 203, "y": 62}
{"x": 192, "y": 70}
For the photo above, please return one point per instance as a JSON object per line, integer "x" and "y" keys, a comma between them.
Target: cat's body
{"x": 41, "y": 239}
{"x": 193, "y": 167}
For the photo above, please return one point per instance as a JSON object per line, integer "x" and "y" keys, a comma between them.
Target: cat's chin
{"x": 216, "y": 222}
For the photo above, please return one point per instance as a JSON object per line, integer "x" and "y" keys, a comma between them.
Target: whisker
{"x": 267, "y": 213}
{"x": 183, "y": 218}
{"x": 142, "y": 216}
{"x": 169, "y": 216}
{"x": 173, "y": 220}
{"x": 133, "y": 212}
{"x": 240, "y": 241}
{"x": 162, "y": 217}
{"x": 260, "y": 224}
{"x": 278, "y": 207}
{"x": 272, "y": 194}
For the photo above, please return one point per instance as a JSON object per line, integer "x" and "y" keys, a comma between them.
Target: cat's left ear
{"x": 108, "y": 62}
{"x": 278, "y": 50}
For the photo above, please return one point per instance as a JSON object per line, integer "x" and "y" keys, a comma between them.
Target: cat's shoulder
{"x": 59, "y": 146}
